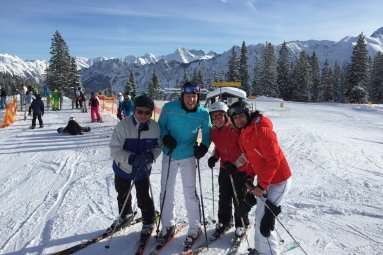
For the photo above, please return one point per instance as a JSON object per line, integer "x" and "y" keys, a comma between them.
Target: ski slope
{"x": 57, "y": 190}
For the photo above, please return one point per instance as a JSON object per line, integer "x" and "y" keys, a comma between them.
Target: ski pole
{"x": 212, "y": 188}
{"x": 237, "y": 202}
{"x": 288, "y": 232}
{"x": 107, "y": 246}
{"x": 163, "y": 199}
{"x": 203, "y": 208}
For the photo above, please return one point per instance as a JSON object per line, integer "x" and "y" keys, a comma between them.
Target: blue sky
{"x": 117, "y": 28}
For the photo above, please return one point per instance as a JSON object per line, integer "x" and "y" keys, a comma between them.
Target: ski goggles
{"x": 217, "y": 116}
{"x": 141, "y": 112}
{"x": 194, "y": 89}
{"x": 235, "y": 111}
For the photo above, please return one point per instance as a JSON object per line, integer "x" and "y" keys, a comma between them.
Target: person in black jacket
{"x": 73, "y": 128}
{"x": 38, "y": 111}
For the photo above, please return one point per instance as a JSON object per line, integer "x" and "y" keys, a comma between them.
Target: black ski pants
{"x": 38, "y": 116}
{"x": 144, "y": 201}
{"x": 226, "y": 197}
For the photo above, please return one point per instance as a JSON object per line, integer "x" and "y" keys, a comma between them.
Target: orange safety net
{"x": 10, "y": 113}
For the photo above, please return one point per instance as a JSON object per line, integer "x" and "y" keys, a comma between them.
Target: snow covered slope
{"x": 57, "y": 190}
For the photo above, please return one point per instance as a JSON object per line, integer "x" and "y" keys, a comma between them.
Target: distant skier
{"x": 260, "y": 146}
{"x": 28, "y": 101}
{"x": 83, "y": 102}
{"x": 73, "y": 128}
{"x": 94, "y": 104}
{"x": 38, "y": 111}
{"x": 120, "y": 99}
{"x": 134, "y": 145}
{"x": 56, "y": 100}
{"x": 3, "y": 99}
{"x": 127, "y": 106}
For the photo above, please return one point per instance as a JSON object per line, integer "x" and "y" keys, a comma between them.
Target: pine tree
{"x": 200, "y": 78}
{"x": 316, "y": 88}
{"x": 269, "y": 78}
{"x": 300, "y": 79}
{"x": 130, "y": 86}
{"x": 58, "y": 73}
{"x": 233, "y": 73}
{"x": 243, "y": 69}
{"x": 327, "y": 93}
{"x": 376, "y": 94}
{"x": 257, "y": 73}
{"x": 154, "y": 86}
{"x": 283, "y": 70}
{"x": 337, "y": 83}
{"x": 186, "y": 77}
{"x": 74, "y": 76}
{"x": 357, "y": 76}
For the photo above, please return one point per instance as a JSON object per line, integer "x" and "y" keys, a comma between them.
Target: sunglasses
{"x": 147, "y": 113}
{"x": 217, "y": 116}
{"x": 191, "y": 90}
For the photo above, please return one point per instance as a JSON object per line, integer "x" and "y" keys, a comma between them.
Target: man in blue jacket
{"x": 134, "y": 146}
{"x": 180, "y": 121}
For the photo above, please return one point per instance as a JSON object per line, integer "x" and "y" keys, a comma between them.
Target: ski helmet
{"x": 238, "y": 108}
{"x": 71, "y": 118}
{"x": 144, "y": 101}
{"x": 218, "y": 106}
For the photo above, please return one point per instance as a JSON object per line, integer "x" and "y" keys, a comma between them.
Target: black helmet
{"x": 238, "y": 108}
{"x": 144, "y": 101}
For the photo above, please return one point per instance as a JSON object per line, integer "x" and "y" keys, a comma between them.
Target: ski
{"x": 143, "y": 242}
{"x": 288, "y": 247}
{"x": 202, "y": 247}
{"x": 235, "y": 243}
{"x": 98, "y": 238}
{"x": 187, "y": 249}
{"x": 159, "y": 248}
{"x": 144, "y": 239}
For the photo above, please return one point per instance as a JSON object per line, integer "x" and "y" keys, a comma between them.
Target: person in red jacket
{"x": 232, "y": 165}
{"x": 260, "y": 146}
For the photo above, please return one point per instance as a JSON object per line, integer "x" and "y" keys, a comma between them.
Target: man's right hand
{"x": 211, "y": 161}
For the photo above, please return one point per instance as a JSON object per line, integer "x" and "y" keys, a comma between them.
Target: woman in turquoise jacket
{"x": 180, "y": 121}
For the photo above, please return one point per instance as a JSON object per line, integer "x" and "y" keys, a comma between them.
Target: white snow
{"x": 57, "y": 190}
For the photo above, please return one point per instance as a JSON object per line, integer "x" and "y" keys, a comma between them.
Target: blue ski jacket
{"x": 184, "y": 127}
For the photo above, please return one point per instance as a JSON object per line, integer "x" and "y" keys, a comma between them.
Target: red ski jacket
{"x": 260, "y": 146}
{"x": 227, "y": 148}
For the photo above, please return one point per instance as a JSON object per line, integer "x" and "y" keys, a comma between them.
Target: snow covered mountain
{"x": 102, "y": 72}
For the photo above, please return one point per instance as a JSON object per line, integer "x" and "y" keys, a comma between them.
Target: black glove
{"x": 169, "y": 142}
{"x": 249, "y": 182}
{"x": 230, "y": 168}
{"x": 211, "y": 161}
{"x": 268, "y": 220}
{"x": 200, "y": 151}
{"x": 134, "y": 160}
{"x": 147, "y": 157}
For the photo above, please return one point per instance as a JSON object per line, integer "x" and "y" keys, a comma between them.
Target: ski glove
{"x": 169, "y": 142}
{"x": 230, "y": 168}
{"x": 200, "y": 151}
{"x": 134, "y": 160}
{"x": 245, "y": 205}
{"x": 147, "y": 157}
{"x": 211, "y": 161}
{"x": 268, "y": 220}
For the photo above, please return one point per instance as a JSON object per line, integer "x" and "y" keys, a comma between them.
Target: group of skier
{"x": 245, "y": 145}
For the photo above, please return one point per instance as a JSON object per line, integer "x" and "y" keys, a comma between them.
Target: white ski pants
{"x": 187, "y": 169}
{"x": 275, "y": 193}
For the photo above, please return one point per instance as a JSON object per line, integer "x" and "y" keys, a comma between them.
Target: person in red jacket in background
{"x": 260, "y": 146}
{"x": 94, "y": 112}
{"x": 232, "y": 165}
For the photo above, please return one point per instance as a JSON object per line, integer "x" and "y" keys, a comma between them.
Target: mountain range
{"x": 102, "y": 72}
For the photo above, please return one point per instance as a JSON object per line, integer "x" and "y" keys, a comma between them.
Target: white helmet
{"x": 218, "y": 106}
